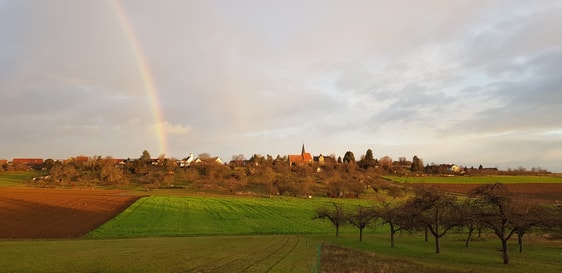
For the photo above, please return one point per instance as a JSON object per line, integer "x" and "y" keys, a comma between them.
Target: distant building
{"x": 302, "y": 159}
{"x": 28, "y": 161}
{"x": 325, "y": 160}
{"x": 35, "y": 163}
{"x": 186, "y": 161}
{"x": 211, "y": 160}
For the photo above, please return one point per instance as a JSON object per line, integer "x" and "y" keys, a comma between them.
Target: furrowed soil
{"x": 57, "y": 213}
{"x": 538, "y": 192}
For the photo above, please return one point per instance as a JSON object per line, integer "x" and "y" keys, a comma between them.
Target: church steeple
{"x": 303, "y": 151}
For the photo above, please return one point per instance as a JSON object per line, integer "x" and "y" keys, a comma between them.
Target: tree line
{"x": 488, "y": 207}
{"x": 334, "y": 177}
{"x": 257, "y": 175}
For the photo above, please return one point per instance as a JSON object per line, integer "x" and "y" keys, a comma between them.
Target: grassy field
{"x": 482, "y": 255}
{"x": 195, "y": 216}
{"x": 10, "y": 179}
{"x": 220, "y": 216}
{"x": 183, "y": 254}
{"x": 504, "y": 179}
{"x": 166, "y": 232}
{"x": 272, "y": 253}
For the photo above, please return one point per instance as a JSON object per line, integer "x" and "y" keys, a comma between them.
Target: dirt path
{"x": 57, "y": 213}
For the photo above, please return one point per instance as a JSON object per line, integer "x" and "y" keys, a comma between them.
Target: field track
{"x": 262, "y": 258}
{"x": 540, "y": 192}
{"x": 57, "y": 213}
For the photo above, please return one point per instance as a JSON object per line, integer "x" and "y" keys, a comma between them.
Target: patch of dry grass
{"x": 336, "y": 259}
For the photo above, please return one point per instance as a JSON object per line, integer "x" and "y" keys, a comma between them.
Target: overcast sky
{"x": 465, "y": 82}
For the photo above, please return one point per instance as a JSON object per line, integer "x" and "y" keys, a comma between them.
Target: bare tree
{"x": 361, "y": 218}
{"x": 435, "y": 210}
{"x": 526, "y": 216}
{"x": 468, "y": 210}
{"x": 336, "y": 216}
{"x": 385, "y": 162}
{"x": 394, "y": 215}
{"x": 495, "y": 210}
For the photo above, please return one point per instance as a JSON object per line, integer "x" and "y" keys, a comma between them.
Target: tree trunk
{"x": 392, "y": 231}
{"x": 505, "y": 252}
{"x": 520, "y": 241}
{"x": 437, "y": 223}
{"x": 425, "y": 234}
{"x": 361, "y": 234}
{"x": 470, "y": 230}
{"x": 337, "y": 230}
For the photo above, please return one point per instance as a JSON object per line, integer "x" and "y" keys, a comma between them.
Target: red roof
{"x": 27, "y": 160}
{"x": 300, "y": 159}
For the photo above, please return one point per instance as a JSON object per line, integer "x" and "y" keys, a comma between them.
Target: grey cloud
{"x": 232, "y": 75}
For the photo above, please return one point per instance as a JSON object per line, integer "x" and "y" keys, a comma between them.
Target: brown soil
{"x": 57, "y": 213}
{"x": 543, "y": 193}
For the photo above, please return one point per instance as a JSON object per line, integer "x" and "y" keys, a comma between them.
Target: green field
{"x": 167, "y": 232}
{"x": 10, "y": 179}
{"x": 490, "y": 179}
{"x": 182, "y": 254}
{"x": 195, "y": 216}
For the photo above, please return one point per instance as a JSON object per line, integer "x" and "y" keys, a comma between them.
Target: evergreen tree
{"x": 349, "y": 157}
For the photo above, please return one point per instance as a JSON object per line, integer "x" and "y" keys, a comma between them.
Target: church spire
{"x": 303, "y": 151}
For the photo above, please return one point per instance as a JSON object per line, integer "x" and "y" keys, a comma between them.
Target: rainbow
{"x": 146, "y": 75}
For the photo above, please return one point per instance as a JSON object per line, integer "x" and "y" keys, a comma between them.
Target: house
{"x": 3, "y": 162}
{"x": 210, "y": 160}
{"x": 325, "y": 160}
{"x": 35, "y": 163}
{"x": 186, "y": 161}
{"x": 28, "y": 161}
{"x": 302, "y": 159}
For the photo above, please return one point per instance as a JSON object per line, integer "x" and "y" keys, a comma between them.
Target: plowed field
{"x": 57, "y": 213}
{"x": 539, "y": 192}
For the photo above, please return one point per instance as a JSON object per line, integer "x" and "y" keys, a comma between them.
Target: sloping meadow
{"x": 162, "y": 216}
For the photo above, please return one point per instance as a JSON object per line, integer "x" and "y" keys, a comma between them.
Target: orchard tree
{"x": 361, "y": 218}
{"x": 498, "y": 212}
{"x": 336, "y": 215}
{"x": 436, "y": 210}
{"x": 469, "y": 211}
{"x": 527, "y": 216}
{"x": 393, "y": 214}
